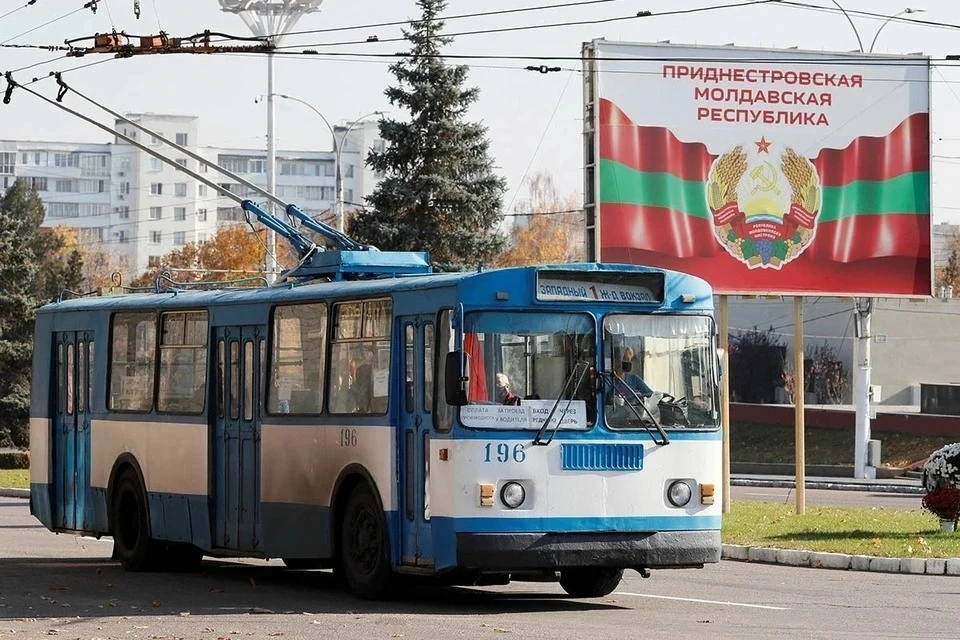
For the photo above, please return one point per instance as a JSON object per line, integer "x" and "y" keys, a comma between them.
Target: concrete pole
{"x": 861, "y": 388}
{"x": 271, "y": 173}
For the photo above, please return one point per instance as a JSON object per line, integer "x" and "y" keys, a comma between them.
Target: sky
{"x": 533, "y": 120}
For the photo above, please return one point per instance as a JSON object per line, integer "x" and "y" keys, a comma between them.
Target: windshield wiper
{"x": 543, "y": 428}
{"x": 626, "y": 401}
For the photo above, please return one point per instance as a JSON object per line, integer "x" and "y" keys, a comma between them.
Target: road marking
{"x": 729, "y": 604}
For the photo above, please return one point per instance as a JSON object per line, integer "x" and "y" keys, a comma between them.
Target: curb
{"x": 840, "y": 485}
{"x": 14, "y": 493}
{"x": 824, "y": 560}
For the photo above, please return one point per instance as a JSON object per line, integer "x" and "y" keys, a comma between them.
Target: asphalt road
{"x": 829, "y": 497}
{"x": 64, "y": 586}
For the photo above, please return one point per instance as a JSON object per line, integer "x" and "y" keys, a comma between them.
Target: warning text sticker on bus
{"x": 531, "y": 414}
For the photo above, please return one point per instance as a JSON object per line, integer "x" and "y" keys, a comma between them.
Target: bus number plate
{"x": 348, "y": 437}
{"x": 503, "y": 452}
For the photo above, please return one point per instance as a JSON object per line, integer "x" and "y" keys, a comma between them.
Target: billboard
{"x": 775, "y": 172}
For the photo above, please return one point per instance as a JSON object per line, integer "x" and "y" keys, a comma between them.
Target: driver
{"x": 632, "y": 380}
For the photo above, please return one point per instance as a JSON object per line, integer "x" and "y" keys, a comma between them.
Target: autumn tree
{"x": 34, "y": 269}
{"x": 949, "y": 274}
{"x": 548, "y": 227}
{"x": 235, "y": 252}
{"x": 439, "y": 193}
{"x": 98, "y": 265}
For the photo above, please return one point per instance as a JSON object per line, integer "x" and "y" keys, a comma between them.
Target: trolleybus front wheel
{"x": 365, "y": 560}
{"x": 590, "y": 583}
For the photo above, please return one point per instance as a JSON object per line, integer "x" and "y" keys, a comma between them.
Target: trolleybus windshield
{"x": 668, "y": 362}
{"x": 519, "y": 364}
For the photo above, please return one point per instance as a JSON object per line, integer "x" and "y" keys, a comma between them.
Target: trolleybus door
{"x": 71, "y": 429}
{"x": 236, "y": 437}
{"x": 416, "y": 421}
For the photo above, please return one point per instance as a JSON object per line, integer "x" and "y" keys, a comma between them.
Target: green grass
{"x": 751, "y": 442}
{"x": 15, "y": 478}
{"x": 864, "y": 531}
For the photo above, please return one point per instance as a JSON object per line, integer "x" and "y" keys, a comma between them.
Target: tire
{"x": 364, "y": 546}
{"x": 590, "y": 583}
{"x": 130, "y": 525}
{"x": 298, "y": 564}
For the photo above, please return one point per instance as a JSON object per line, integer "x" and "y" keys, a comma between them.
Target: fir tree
{"x": 33, "y": 269}
{"x": 439, "y": 192}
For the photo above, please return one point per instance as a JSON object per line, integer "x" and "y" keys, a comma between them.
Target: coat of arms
{"x": 764, "y": 204}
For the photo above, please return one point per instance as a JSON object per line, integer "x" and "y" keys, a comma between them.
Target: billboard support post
{"x": 798, "y": 403}
{"x": 725, "y": 397}
{"x": 862, "y": 389}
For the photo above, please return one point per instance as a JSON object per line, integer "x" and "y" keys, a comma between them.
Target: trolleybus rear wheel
{"x": 131, "y": 529}
{"x": 364, "y": 546}
{"x": 590, "y": 583}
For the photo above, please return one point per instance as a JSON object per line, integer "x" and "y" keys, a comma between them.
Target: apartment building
{"x": 137, "y": 208}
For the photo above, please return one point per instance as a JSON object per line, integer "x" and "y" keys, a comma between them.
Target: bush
{"x": 14, "y": 460}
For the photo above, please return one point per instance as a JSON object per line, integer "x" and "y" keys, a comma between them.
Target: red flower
{"x": 944, "y": 502}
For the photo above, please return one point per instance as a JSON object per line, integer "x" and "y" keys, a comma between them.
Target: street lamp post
{"x": 270, "y": 19}
{"x": 877, "y": 34}
{"x": 338, "y": 149}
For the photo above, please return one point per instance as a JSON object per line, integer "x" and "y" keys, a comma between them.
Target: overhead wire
{"x": 48, "y": 22}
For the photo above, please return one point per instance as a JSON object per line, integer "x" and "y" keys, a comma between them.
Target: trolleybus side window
{"x": 428, "y": 349}
{"x": 221, "y": 377}
{"x": 183, "y": 362}
{"x": 234, "y": 379}
{"x": 299, "y": 357}
{"x": 408, "y": 360}
{"x": 61, "y": 384}
{"x": 70, "y": 385}
{"x": 443, "y": 413}
{"x": 360, "y": 357}
{"x": 133, "y": 359}
{"x": 81, "y": 376}
{"x": 90, "y": 374}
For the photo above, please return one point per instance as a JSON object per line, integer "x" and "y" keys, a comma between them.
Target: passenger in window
{"x": 504, "y": 395}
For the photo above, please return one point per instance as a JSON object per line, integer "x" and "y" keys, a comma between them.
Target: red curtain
{"x": 478, "y": 373}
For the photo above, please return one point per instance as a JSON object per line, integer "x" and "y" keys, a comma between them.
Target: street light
{"x": 338, "y": 149}
{"x": 270, "y": 19}
{"x": 885, "y": 22}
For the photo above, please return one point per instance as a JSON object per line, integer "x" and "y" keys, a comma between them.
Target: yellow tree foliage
{"x": 235, "y": 252}
{"x": 949, "y": 274}
{"x": 98, "y": 265}
{"x": 548, "y": 228}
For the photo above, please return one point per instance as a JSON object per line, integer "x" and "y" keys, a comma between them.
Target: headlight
{"x": 512, "y": 494}
{"x": 679, "y": 493}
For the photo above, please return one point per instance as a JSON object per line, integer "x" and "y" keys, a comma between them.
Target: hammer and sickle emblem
{"x": 766, "y": 178}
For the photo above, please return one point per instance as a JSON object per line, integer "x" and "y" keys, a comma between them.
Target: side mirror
{"x": 720, "y": 355}
{"x": 455, "y": 379}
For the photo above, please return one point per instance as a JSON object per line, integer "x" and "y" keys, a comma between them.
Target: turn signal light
{"x": 486, "y": 495}
{"x": 706, "y": 494}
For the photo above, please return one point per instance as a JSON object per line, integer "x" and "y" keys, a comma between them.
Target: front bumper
{"x": 523, "y": 551}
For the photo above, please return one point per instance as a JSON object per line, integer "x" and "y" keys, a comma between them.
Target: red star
{"x": 762, "y": 145}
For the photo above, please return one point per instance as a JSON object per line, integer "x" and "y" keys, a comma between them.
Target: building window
{"x": 361, "y": 336}
{"x": 202, "y": 215}
{"x": 257, "y": 166}
{"x": 124, "y": 164}
{"x": 63, "y": 210}
{"x": 326, "y": 193}
{"x": 156, "y": 164}
{"x": 125, "y": 188}
{"x": 202, "y": 190}
{"x": 156, "y": 213}
{"x": 203, "y": 167}
{"x": 92, "y": 234}
{"x": 348, "y": 172}
{"x": 229, "y": 214}
{"x": 154, "y": 237}
{"x": 179, "y": 238}
{"x": 348, "y": 195}
{"x": 122, "y": 237}
{"x": 156, "y": 188}
{"x": 7, "y": 163}
{"x": 133, "y": 356}
{"x": 39, "y": 184}
{"x": 124, "y": 212}
{"x": 330, "y": 169}
{"x": 153, "y": 261}
{"x": 92, "y": 186}
{"x": 181, "y": 139}
{"x": 299, "y": 353}
{"x": 233, "y": 164}
{"x": 182, "y": 162}
{"x": 180, "y": 213}
{"x": 154, "y": 140}
{"x": 201, "y": 238}
{"x": 63, "y": 186}
{"x": 180, "y": 189}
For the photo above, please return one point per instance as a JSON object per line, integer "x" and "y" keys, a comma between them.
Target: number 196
{"x": 503, "y": 453}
